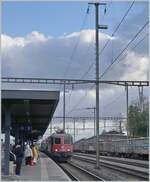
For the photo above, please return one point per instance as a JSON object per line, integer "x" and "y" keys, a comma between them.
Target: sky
{"x": 56, "y": 19}
{"x": 57, "y": 40}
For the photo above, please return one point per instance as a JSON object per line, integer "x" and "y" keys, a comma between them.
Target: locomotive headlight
{"x": 56, "y": 150}
{"x": 68, "y": 150}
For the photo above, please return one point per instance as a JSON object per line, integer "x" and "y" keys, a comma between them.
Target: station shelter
{"x": 26, "y": 115}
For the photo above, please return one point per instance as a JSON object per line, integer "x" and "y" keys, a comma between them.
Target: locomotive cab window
{"x": 67, "y": 140}
{"x": 57, "y": 141}
{"x": 52, "y": 141}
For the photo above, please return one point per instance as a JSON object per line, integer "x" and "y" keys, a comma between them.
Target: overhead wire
{"x": 136, "y": 45}
{"x": 77, "y": 42}
{"x": 85, "y": 54}
{"x": 141, "y": 40}
{"x": 80, "y": 100}
{"x": 109, "y": 39}
{"x": 116, "y": 29}
{"x": 128, "y": 44}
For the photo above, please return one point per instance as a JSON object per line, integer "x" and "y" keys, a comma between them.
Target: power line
{"x": 77, "y": 42}
{"x": 81, "y": 99}
{"x": 135, "y": 36}
{"x": 112, "y": 35}
{"x": 80, "y": 78}
{"x": 113, "y": 101}
{"x": 132, "y": 48}
{"x": 83, "y": 57}
{"x": 123, "y": 18}
{"x": 139, "y": 42}
{"x": 89, "y": 68}
{"x": 117, "y": 28}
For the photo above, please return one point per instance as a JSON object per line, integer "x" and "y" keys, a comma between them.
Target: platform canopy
{"x": 31, "y": 110}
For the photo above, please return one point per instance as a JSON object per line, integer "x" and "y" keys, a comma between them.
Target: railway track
{"x": 128, "y": 167}
{"x": 77, "y": 173}
{"x": 134, "y": 162}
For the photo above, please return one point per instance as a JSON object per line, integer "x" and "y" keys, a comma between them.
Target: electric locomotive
{"x": 59, "y": 146}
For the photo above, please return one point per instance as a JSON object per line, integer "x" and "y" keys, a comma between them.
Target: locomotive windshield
{"x": 67, "y": 140}
{"x": 57, "y": 140}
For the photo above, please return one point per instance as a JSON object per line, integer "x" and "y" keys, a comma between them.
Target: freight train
{"x": 59, "y": 146}
{"x": 130, "y": 148}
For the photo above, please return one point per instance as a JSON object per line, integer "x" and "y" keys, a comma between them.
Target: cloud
{"x": 134, "y": 20}
{"x": 46, "y": 56}
{"x": 36, "y": 55}
{"x": 42, "y": 56}
{"x": 10, "y": 42}
{"x": 133, "y": 67}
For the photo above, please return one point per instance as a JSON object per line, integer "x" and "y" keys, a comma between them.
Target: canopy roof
{"x": 33, "y": 108}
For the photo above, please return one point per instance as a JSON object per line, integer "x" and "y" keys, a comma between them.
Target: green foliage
{"x": 138, "y": 122}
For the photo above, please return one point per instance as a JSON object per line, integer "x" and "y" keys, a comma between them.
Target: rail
{"x": 74, "y": 170}
{"x": 133, "y": 170}
{"x": 134, "y": 162}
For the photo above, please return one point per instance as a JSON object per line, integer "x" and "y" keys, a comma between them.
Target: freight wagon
{"x": 131, "y": 147}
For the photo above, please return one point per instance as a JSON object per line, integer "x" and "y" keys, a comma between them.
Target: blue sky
{"x": 55, "y": 18}
{"x": 49, "y": 18}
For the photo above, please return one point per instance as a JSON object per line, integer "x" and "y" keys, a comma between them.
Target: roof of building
{"x": 29, "y": 109}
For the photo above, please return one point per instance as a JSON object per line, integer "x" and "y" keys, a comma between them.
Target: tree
{"x": 138, "y": 122}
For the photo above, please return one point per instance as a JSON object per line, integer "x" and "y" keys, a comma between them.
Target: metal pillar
{"x": 97, "y": 82}
{"x": 147, "y": 127}
{"x": 83, "y": 124}
{"x": 105, "y": 125}
{"x": 127, "y": 111}
{"x": 94, "y": 121}
{"x": 97, "y": 27}
{"x": 74, "y": 121}
{"x": 64, "y": 109}
{"x": 141, "y": 98}
{"x": 7, "y": 140}
{"x": 120, "y": 126}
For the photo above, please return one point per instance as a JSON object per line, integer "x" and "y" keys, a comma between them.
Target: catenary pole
{"x": 94, "y": 120}
{"x": 127, "y": 111}
{"x": 64, "y": 105}
{"x": 97, "y": 82}
{"x": 74, "y": 128}
{"x": 97, "y": 27}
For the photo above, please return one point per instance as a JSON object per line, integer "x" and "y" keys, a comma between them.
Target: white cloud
{"x": 36, "y": 55}
{"x": 137, "y": 67}
{"x": 36, "y": 36}
{"x": 48, "y": 57}
{"x": 7, "y": 41}
{"x": 88, "y": 35}
{"x": 43, "y": 56}
{"x": 133, "y": 66}
{"x": 10, "y": 42}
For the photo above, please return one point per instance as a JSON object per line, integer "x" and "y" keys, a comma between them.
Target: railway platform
{"x": 45, "y": 170}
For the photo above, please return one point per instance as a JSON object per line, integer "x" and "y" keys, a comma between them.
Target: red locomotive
{"x": 59, "y": 146}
